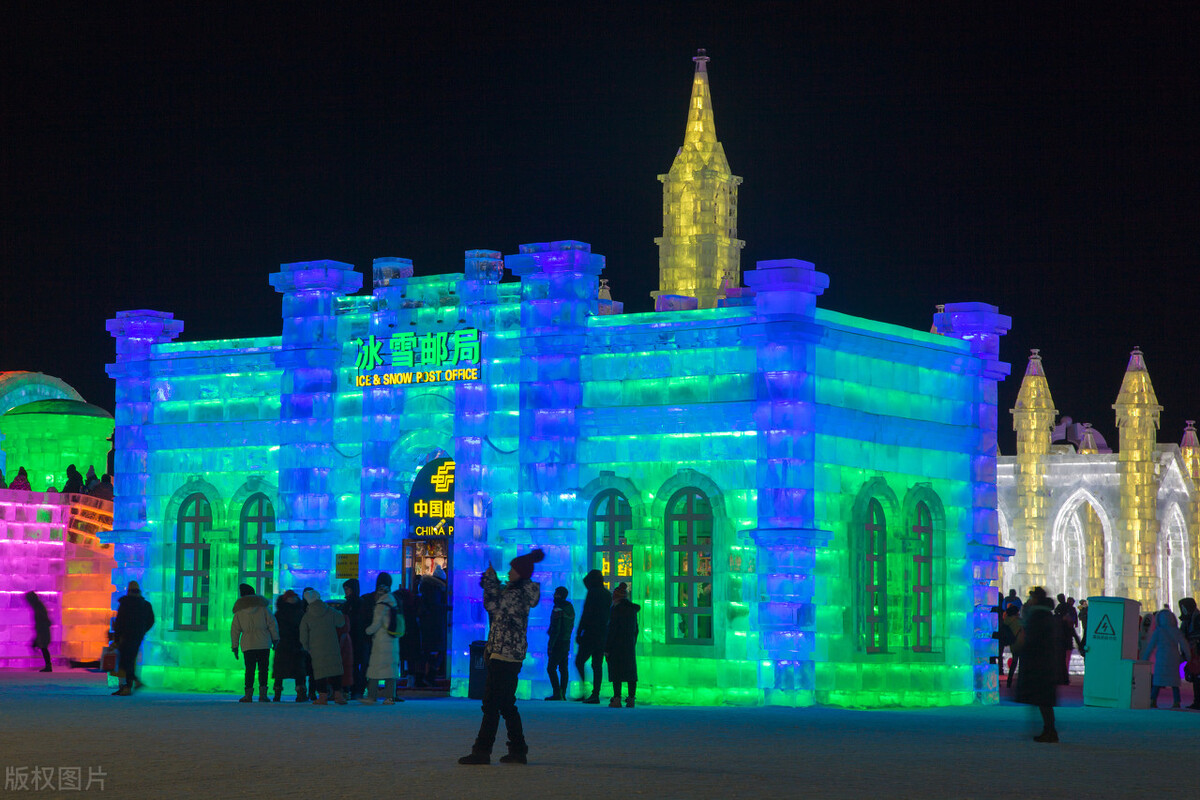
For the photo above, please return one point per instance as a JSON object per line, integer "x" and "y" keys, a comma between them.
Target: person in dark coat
{"x": 41, "y": 628}
{"x": 592, "y": 634}
{"x": 135, "y": 617}
{"x": 558, "y": 646}
{"x": 412, "y": 657}
{"x": 289, "y": 656}
{"x": 1039, "y": 647}
{"x": 352, "y": 607}
{"x": 74, "y": 484}
{"x": 432, "y": 617}
{"x": 508, "y": 623}
{"x": 1189, "y": 626}
{"x": 621, "y": 647}
{"x": 21, "y": 482}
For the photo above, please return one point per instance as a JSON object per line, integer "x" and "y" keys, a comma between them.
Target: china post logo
{"x": 442, "y": 479}
{"x": 369, "y": 356}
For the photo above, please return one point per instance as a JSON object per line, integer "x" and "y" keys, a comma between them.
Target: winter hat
{"x": 311, "y": 595}
{"x": 290, "y": 596}
{"x": 245, "y": 589}
{"x": 621, "y": 592}
{"x": 524, "y": 564}
{"x": 439, "y": 573}
{"x": 383, "y": 581}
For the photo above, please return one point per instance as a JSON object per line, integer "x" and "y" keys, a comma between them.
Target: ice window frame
{"x": 874, "y": 579}
{"x": 610, "y": 518}
{"x": 256, "y": 557}
{"x": 922, "y": 578}
{"x": 687, "y": 521}
{"x": 192, "y": 561}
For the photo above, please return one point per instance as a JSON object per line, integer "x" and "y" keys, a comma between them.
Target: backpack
{"x": 393, "y": 626}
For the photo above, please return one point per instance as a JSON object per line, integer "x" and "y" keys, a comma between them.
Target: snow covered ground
{"x": 165, "y": 745}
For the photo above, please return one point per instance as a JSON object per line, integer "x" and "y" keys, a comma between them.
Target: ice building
{"x": 802, "y": 501}
{"x": 49, "y": 542}
{"x": 1085, "y": 520}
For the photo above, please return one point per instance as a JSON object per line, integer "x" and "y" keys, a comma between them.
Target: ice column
{"x": 981, "y": 325}
{"x": 136, "y": 333}
{"x": 559, "y": 290}
{"x": 309, "y": 357}
{"x": 786, "y": 293}
{"x": 478, "y": 298}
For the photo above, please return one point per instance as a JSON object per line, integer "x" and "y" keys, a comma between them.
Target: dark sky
{"x": 1040, "y": 158}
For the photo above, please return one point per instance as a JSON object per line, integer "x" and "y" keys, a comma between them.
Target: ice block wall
{"x": 197, "y": 439}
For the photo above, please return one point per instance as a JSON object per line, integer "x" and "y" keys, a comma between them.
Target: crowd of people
{"x": 1042, "y": 634}
{"x": 76, "y": 483}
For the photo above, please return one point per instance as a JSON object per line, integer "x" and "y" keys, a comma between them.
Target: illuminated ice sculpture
{"x": 802, "y": 501}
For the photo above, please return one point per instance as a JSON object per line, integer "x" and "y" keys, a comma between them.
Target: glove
{"x": 235, "y": 652}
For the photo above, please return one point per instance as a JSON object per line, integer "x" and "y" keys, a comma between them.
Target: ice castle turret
{"x": 1137, "y": 421}
{"x": 1122, "y": 523}
{"x": 699, "y": 252}
{"x": 1033, "y": 420}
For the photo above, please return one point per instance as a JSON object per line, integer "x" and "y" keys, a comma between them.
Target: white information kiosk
{"x": 1113, "y": 675}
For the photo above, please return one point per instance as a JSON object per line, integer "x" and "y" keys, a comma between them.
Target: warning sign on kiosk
{"x": 431, "y": 503}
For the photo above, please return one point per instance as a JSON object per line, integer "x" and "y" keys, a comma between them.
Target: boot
{"x": 615, "y": 702}
{"x": 339, "y": 698}
{"x": 321, "y": 700}
{"x": 124, "y": 691}
{"x": 278, "y": 694}
{"x": 592, "y": 699}
{"x": 262, "y": 695}
{"x": 476, "y": 757}
{"x": 1049, "y": 737}
{"x": 246, "y": 698}
{"x": 514, "y": 758}
{"x": 629, "y": 701}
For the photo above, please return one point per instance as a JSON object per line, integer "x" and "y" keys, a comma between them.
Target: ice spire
{"x": 1033, "y": 416}
{"x": 1033, "y": 420}
{"x": 1137, "y": 528}
{"x": 699, "y": 245}
{"x": 701, "y": 125}
{"x": 1089, "y": 446}
{"x": 1190, "y": 447}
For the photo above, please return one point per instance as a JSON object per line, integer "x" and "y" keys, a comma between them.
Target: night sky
{"x": 1045, "y": 160}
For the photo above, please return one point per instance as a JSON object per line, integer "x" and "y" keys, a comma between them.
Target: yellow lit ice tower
{"x": 699, "y": 252}
{"x": 1137, "y": 421}
{"x": 1033, "y": 420}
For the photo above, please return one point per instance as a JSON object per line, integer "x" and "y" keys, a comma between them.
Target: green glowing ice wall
{"x": 46, "y": 436}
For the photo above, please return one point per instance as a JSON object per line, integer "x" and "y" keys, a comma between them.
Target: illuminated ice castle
{"x": 1086, "y": 521}
{"x": 803, "y": 501}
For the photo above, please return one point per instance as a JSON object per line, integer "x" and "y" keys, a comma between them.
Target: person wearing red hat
{"x": 508, "y": 618}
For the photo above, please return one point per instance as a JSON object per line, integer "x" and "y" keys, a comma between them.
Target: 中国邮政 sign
{"x": 408, "y": 358}
{"x": 431, "y": 501}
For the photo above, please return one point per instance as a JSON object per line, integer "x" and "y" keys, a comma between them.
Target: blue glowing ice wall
{"x": 803, "y": 502}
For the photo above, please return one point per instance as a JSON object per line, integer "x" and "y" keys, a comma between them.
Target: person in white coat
{"x": 385, "y": 643}
{"x": 254, "y": 630}
{"x": 1170, "y": 649}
